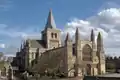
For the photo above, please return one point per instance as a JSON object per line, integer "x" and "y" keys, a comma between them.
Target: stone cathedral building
{"x": 48, "y": 54}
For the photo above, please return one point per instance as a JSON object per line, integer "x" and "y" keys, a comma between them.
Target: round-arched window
{"x": 55, "y": 35}
{"x": 52, "y": 35}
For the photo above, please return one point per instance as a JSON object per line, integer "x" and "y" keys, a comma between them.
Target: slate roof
{"x": 37, "y": 44}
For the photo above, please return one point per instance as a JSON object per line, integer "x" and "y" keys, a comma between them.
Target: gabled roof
{"x": 37, "y": 44}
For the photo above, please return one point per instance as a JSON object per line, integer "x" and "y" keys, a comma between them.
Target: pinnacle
{"x": 99, "y": 36}
{"x": 92, "y": 35}
{"x": 77, "y": 34}
{"x": 67, "y": 37}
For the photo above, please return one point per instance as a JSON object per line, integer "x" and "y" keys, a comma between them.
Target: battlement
{"x": 113, "y": 58}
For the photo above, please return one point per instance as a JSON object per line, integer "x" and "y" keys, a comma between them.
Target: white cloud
{"x": 15, "y": 32}
{"x": 2, "y": 45}
{"x": 107, "y": 22}
{"x": 13, "y": 37}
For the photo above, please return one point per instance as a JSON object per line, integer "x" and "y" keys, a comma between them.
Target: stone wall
{"x": 51, "y": 60}
{"x": 114, "y": 60}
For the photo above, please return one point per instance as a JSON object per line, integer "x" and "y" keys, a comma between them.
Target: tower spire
{"x": 50, "y": 21}
{"x": 92, "y": 35}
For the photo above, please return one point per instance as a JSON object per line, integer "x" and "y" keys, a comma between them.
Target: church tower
{"x": 100, "y": 54}
{"x": 51, "y": 35}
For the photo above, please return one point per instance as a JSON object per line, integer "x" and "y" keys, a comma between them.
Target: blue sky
{"x": 21, "y": 17}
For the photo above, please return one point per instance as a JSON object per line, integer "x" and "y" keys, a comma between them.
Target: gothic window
{"x": 86, "y": 51}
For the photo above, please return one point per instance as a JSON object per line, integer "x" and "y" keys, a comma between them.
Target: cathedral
{"x": 72, "y": 58}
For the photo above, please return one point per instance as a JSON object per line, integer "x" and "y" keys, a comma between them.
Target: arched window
{"x": 52, "y": 35}
{"x": 55, "y": 35}
{"x": 86, "y": 51}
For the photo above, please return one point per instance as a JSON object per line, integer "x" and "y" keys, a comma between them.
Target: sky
{"x": 22, "y": 19}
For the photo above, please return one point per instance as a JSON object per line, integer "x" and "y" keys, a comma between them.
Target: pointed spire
{"x": 50, "y": 21}
{"x": 100, "y": 41}
{"x": 77, "y": 36}
{"x": 92, "y": 35}
{"x": 67, "y": 37}
{"x": 99, "y": 37}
